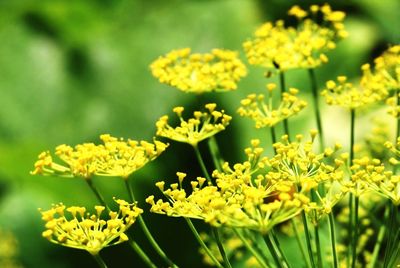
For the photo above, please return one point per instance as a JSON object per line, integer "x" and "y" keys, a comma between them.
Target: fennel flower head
{"x": 261, "y": 110}
{"x": 74, "y": 227}
{"x": 350, "y": 96}
{"x": 276, "y": 46}
{"x": 219, "y": 70}
{"x": 201, "y": 126}
{"x": 115, "y": 157}
{"x": 241, "y": 197}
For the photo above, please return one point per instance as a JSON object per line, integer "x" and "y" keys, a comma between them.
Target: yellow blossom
{"x": 115, "y": 157}
{"x": 219, "y": 70}
{"x": 261, "y": 110}
{"x": 193, "y": 130}
{"x": 347, "y": 95}
{"x": 304, "y": 46}
{"x": 240, "y": 198}
{"x": 86, "y": 231}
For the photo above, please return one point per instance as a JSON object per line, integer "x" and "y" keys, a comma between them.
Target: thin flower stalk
{"x": 333, "y": 240}
{"x": 253, "y": 251}
{"x": 99, "y": 261}
{"x": 317, "y": 112}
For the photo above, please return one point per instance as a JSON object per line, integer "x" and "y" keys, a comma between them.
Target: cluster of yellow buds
{"x": 345, "y": 94}
{"x": 261, "y": 109}
{"x": 202, "y": 126}
{"x": 219, "y": 70}
{"x": 277, "y": 46}
{"x": 115, "y": 157}
{"x": 240, "y": 198}
{"x": 87, "y": 231}
{"x": 394, "y": 149}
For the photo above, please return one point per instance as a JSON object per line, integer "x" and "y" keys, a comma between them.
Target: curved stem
{"x": 283, "y": 90}
{"x": 202, "y": 244}
{"x": 202, "y": 165}
{"x": 132, "y": 243}
{"x": 215, "y": 153}
{"x": 314, "y": 88}
{"x": 251, "y": 248}
{"x": 99, "y": 260}
{"x": 379, "y": 240}
{"x": 97, "y": 193}
{"x": 333, "y": 239}
{"x": 146, "y": 230}
{"x": 308, "y": 240}
{"x": 141, "y": 253}
{"x": 272, "y": 250}
{"x": 221, "y": 247}
{"x": 301, "y": 246}
{"x": 277, "y": 245}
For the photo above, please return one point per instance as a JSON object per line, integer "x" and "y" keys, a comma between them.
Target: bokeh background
{"x": 72, "y": 70}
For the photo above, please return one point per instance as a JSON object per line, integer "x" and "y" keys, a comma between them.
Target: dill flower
{"x": 87, "y": 231}
{"x": 349, "y": 96}
{"x": 304, "y": 46}
{"x": 261, "y": 110}
{"x": 115, "y": 157}
{"x": 219, "y": 70}
{"x": 201, "y": 126}
{"x": 239, "y": 199}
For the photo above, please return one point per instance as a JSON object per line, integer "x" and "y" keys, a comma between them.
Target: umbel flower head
{"x": 200, "y": 127}
{"x": 304, "y": 46}
{"x": 74, "y": 227}
{"x": 115, "y": 157}
{"x": 261, "y": 110}
{"x": 348, "y": 95}
{"x": 218, "y": 70}
{"x": 240, "y": 199}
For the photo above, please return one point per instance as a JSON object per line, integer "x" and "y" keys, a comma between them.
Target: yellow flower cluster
{"x": 86, "y": 231}
{"x": 261, "y": 110}
{"x": 202, "y": 126}
{"x": 386, "y": 72}
{"x": 115, "y": 157}
{"x": 240, "y": 199}
{"x": 298, "y": 163}
{"x": 218, "y": 70}
{"x": 347, "y": 95}
{"x": 277, "y": 46}
{"x": 394, "y": 105}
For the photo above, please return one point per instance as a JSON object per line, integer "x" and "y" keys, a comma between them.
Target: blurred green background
{"x": 72, "y": 70}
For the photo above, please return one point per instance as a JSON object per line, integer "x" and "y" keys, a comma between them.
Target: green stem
{"x": 388, "y": 251}
{"x": 277, "y": 245}
{"x": 202, "y": 244}
{"x": 318, "y": 245}
{"x": 99, "y": 260}
{"x": 202, "y": 165}
{"x": 132, "y": 243}
{"x": 272, "y": 250}
{"x": 215, "y": 153}
{"x": 273, "y": 137}
{"x": 351, "y": 196}
{"x": 308, "y": 240}
{"x": 283, "y": 90}
{"x": 314, "y": 88}
{"x": 221, "y": 247}
{"x": 355, "y": 232}
{"x": 97, "y": 193}
{"x": 333, "y": 239}
{"x": 141, "y": 253}
{"x": 301, "y": 246}
{"x": 251, "y": 248}
{"x": 379, "y": 240}
{"x": 146, "y": 230}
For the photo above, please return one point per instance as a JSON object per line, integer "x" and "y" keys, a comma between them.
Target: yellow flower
{"x": 86, "y": 231}
{"x": 219, "y": 70}
{"x": 347, "y": 95}
{"x": 240, "y": 199}
{"x": 261, "y": 109}
{"x": 202, "y": 126}
{"x": 115, "y": 157}
{"x": 277, "y": 46}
